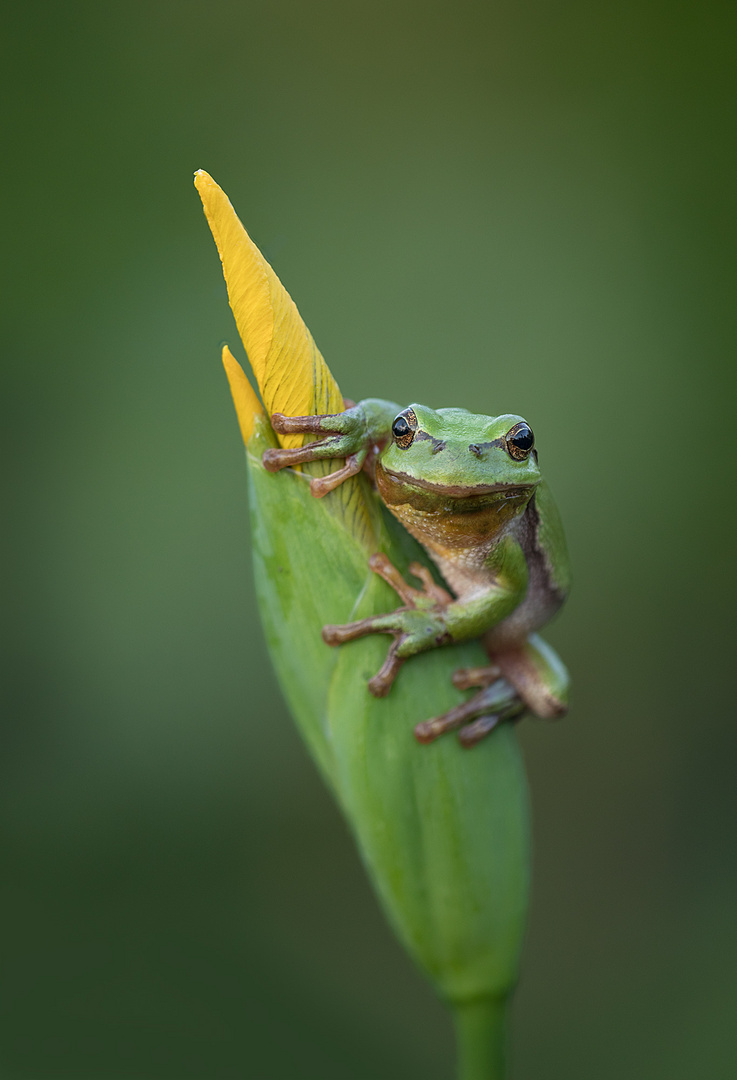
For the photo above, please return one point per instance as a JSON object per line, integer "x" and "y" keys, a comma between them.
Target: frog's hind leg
{"x": 476, "y": 717}
{"x": 538, "y": 675}
{"x": 528, "y": 676}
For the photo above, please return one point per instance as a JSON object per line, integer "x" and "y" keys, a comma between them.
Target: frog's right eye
{"x": 403, "y": 428}
{"x": 520, "y": 441}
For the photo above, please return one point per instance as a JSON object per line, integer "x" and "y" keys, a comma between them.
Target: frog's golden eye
{"x": 404, "y": 428}
{"x": 520, "y": 441}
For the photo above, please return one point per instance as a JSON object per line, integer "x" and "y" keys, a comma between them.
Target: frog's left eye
{"x": 520, "y": 441}
{"x": 404, "y": 427}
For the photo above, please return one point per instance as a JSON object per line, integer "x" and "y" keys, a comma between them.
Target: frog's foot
{"x": 346, "y": 436}
{"x": 416, "y": 627}
{"x": 476, "y": 717}
{"x": 412, "y": 597}
{"x": 466, "y": 678}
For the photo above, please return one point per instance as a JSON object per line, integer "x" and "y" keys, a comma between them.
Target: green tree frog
{"x": 469, "y": 489}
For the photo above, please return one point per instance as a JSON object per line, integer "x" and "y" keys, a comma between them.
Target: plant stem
{"x": 481, "y": 1037}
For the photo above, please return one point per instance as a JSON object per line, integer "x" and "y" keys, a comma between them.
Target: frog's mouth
{"x": 397, "y": 487}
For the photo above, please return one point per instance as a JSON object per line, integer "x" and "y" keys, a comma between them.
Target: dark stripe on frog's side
{"x": 550, "y": 539}
{"x": 544, "y": 595}
{"x": 557, "y": 590}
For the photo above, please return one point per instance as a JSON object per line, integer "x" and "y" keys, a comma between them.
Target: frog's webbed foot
{"x": 478, "y": 716}
{"x": 345, "y": 436}
{"x": 416, "y": 627}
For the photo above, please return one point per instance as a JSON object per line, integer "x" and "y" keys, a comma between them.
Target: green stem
{"x": 481, "y": 1036}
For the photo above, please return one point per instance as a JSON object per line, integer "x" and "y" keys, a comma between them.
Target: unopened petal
{"x": 292, "y": 376}
{"x": 247, "y": 404}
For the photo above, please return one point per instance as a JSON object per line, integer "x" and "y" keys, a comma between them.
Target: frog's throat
{"x": 446, "y": 522}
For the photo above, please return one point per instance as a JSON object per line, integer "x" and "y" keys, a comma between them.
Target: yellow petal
{"x": 292, "y": 376}
{"x": 247, "y": 404}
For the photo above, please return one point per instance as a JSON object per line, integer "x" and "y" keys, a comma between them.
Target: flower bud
{"x": 443, "y": 831}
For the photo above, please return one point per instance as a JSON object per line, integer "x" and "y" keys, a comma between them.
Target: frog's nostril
{"x": 476, "y": 450}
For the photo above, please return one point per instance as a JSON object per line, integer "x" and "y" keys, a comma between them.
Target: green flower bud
{"x": 443, "y": 831}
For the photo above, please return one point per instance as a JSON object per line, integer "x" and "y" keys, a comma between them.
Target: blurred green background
{"x": 509, "y": 207}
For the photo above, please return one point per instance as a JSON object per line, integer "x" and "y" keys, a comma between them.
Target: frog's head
{"x": 451, "y": 459}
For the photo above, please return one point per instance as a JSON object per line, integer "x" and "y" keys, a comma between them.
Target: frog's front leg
{"x": 349, "y": 435}
{"x": 416, "y": 626}
{"x": 431, "y": 617}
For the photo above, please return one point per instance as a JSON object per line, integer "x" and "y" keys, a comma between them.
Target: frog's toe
{"x": 430, "y": 595}
{"x": 339, "y": 634}
{"x": 390, "y": 623}
{"x": 468, "y": 678}
{"x": 276, "y": 458}
{"x": 383, "y": 680}
{"x": 476, "y": 706}
{"x": 476, "y": 717}
{"x": 308, "y": 425}
{"x": 430, "y": 587}
{"x": 383, "y": 566}
{"x": 473, "y": 733}
{"x": 321, "y": 485}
